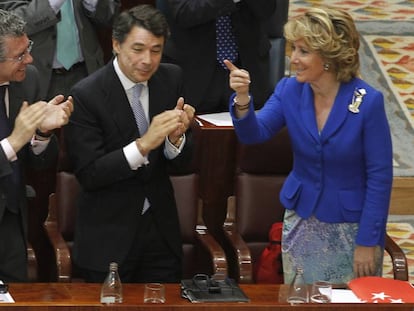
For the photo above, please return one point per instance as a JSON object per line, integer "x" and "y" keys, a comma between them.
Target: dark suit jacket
{"x": 41, "y": 28}
{"x": 112, "y": 194}
{"x": 192, "y": 44}
{"x": 27, "y": 90}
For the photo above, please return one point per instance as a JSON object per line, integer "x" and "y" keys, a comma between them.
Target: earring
{"x": 326, "y": 66}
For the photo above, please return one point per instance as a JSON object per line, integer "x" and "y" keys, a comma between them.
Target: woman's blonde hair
{"x": 331, "y": 33}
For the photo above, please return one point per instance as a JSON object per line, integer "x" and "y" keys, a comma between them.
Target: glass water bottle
{"x": 298, "y": 290}
{"x": 111, "y": 291}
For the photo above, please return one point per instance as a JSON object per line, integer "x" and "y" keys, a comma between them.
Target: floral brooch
{"x": 357, "y": 100}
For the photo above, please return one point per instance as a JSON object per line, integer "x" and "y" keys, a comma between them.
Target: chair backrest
{"x": 201, "y": 253}
{"x": 273, "y": 157}
{"x": 186, "y": 196}
{"x": 60, "y": 225}
{"x": 66, "y": 193}
{"x": 255, "y": 206}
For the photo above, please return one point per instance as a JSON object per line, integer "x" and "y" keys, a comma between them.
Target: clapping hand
{"x": 172, "y": 123}
{"x": 186, "y": 118}
{"x": 57, "y": 113}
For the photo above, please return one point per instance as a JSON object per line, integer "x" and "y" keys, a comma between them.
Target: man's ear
{"x": 115, "y": 46}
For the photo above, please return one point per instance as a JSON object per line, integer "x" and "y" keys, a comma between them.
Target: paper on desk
{"x": 6, "y": 298}
{"x": 344, "y": 296}
{"x": 219, "y": 119}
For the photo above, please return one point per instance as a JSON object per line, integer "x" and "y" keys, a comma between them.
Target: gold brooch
{"x": 357, "y": 100}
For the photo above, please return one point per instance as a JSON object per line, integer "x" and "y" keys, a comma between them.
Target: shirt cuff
{"x": 90, "y": 5}
{"x": 38, "y": 146}
{"x": 8, "y": 150}
{"x": 172, "y": 151}
{"x": 56, "y": 5}
{"x": 134, "y": 157}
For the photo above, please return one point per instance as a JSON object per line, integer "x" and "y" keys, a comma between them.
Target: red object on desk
{"x": 375, "y": 289}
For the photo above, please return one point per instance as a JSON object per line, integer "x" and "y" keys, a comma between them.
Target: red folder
{"x": 374, "y": 289}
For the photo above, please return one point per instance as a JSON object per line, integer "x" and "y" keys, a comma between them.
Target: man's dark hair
{"x": 144, "y": 16}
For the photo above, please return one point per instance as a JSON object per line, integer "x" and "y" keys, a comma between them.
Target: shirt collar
{"x": 125, "y": 81}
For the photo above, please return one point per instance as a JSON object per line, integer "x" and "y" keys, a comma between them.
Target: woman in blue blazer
{"x": 338, "y": 192}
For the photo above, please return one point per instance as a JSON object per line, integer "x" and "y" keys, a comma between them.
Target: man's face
{"x": 17, "y": 57}
{"x": 140, "y": 54}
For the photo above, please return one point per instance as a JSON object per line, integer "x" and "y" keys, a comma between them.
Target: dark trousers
{"x": 149, "y": 260}
{"x": 13, "y": 249}
{"x": 62, "y": 80}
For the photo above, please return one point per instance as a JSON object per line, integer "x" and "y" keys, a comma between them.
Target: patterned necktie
{"x": 225, "y": 40}
{"x": 67, "y": 47}
{"x": 139, "y": 113}
{"x": 142, "y": 123}
{"x": 12, "y": 182}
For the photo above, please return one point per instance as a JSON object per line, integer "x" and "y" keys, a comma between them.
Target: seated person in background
{"x": 25, "y": 139}
{"x": 205, "y": 32}
{"x": 130, "y": 123}
{"x": 338, "y": 193}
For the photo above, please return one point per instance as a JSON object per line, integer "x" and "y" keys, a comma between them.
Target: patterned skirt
{"x": 324, "y": 250}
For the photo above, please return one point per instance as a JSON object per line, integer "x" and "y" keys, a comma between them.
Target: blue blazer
{"x": 342, "y": 174}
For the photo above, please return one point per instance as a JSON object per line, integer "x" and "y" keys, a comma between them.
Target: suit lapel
{"x": 336, "y": 117}
{"x": 16, "y": 99}
{"x": 118, "y": 105}
{"x": 339, "y": 111}
{"x": 307, "y": 112}
{"x": 156, "y": 98}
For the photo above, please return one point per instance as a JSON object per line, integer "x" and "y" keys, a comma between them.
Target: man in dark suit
{"x": 120, "y": 144}
{"x": 192, "y": 46}
{"x": 21, "y": 123}
{"x": 44, "y": 18}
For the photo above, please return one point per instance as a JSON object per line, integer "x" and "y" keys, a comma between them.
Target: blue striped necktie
{"x": 141, "y": 121}
{"x": 139, "y": 113}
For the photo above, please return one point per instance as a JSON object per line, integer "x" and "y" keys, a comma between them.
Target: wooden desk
{"x": 85, "y": 297}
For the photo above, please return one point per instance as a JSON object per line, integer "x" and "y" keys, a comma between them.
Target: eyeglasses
{"x": 21, "y": 57}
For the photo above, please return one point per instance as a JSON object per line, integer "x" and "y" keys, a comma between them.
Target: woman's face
{"x": 309, "y": 66}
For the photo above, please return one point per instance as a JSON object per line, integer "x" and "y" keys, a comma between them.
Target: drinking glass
{"x": 321, "y": 292}
{"x": 154, "y": 293}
